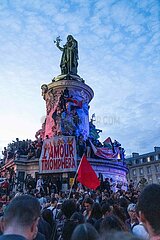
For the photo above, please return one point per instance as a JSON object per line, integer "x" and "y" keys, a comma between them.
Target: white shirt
{"x": 140, "y": 231}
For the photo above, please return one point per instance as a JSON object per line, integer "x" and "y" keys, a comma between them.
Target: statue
{"x": 93, "y": 131}
{"x": 44, "y": 89}
{"x": 69, "y": 60}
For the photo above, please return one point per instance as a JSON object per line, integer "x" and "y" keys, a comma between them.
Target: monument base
{"x": 67, "y": 99}
{"x": 68, "y": 76}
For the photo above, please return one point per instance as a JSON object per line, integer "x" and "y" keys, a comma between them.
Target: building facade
{"x": 144, "y": 166}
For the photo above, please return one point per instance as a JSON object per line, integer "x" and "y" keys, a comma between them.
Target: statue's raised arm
{"x": 57, "y": 41}
{"x": 69, "y": 60}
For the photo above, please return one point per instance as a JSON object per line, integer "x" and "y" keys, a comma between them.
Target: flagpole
{"x": 75, "y": 176}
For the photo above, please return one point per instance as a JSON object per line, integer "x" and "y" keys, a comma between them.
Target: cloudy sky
{"x": 119, "y": 58}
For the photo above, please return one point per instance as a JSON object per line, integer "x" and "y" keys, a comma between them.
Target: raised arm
{"x": 58, "y": 46}
{"x": 57, "y": 41}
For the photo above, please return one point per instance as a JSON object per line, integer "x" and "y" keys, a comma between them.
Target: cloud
{"x": 118, "y": 57}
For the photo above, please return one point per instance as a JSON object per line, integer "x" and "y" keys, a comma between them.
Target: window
{"x": 148, "y": 159}
{"x": 134, "y": 161}
{"x": 141, "y": 171}
{"x": 144, "y": 160}
{"x": 141, "y": 160}
{"x": 157, "y": 168}
{"x": 151, "y": 158}
{"x": 150, "y": 179}
{"x": 149, "y": 170}
{"x": 157, "y": 157}
{"x": 137, "y": 161}
{"x": 158, "y": 179}
{"x": 134, "y": 172}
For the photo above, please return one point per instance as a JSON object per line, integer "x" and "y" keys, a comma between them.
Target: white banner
{"x": 58, "y": 155}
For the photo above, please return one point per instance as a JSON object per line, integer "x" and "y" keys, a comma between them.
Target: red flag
{"x": 86, "y": 174}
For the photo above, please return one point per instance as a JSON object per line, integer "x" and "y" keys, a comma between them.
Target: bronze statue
{"x": 69, "y": 60}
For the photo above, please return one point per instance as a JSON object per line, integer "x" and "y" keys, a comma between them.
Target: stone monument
{"x": 67, "y": 97}
{"x": 67, "y": 100}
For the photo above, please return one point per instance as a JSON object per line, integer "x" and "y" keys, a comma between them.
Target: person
{"x": 64, "y": 225}
{"x": 88, "y": 147}
{"x": 131, "y": 186}
{"x": 111, "y": 223}
{"x": 77, "y": 216}
{"x": 96, "y": 213}
{"x": 118, "y": 235}
{"x": 53, "y": 207}
{"x": 106, "y": 185}
{"x": 148, "y": 207}
{"x": 1, "y": 209}
{"x": 142, "y": 183}
{"x": 4, "y": 153}
{"x": 1, "y": 225}
{"x": 6, "y": 186}
{"x": 81, "y": 145}
{"x": 44, "y": 226}
{"x": 132, "y": 221}
{"x": 47, "y": 215}
{"x": 68, "y": 208}
{"x": 106, "y": 211}
{"x": 21, "y": 218}
{"x": 88, "y": 203}
{"x": 140, "y": 231}
{"x": 42, "y": 199}
{"x": 119, "y": 212}
{"x": 39, "y": 184}
{"x": 69, "y": 60}
{"x": 85, "y": 231}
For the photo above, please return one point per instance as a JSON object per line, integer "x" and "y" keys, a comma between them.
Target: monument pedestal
{"x": 67, "y": 104}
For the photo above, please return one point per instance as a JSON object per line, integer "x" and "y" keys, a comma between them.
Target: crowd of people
{"x": 32, "y": 149}
{"x": 19, "y": 148}
{"x": 82, "y": 213}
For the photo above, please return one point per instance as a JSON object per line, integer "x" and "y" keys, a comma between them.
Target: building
{"x": 144, "y": 166}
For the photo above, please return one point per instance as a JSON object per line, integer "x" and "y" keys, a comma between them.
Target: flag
{"x": 108, "y": 143}
{"x": 104, "y": 152}
{"x": 76, "y": 103}
{"x": 86, "y": 174}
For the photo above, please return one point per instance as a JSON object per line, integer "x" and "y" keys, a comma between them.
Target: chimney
{"x": 157, "y": 149}
{"x": 134, "y": 154}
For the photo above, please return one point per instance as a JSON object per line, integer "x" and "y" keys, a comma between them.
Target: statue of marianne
{"x": 69, "y": 60}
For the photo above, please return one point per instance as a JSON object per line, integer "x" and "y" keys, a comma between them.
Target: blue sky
{"x": 119, "y": 57}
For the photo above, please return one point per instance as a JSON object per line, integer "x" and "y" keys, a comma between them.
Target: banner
{"x": 106, "y": 153}
{"x": 58, "y": 155}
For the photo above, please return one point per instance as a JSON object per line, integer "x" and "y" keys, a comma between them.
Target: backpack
{"x": 56, "y": 213}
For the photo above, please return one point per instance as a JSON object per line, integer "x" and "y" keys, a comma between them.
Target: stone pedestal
{"x": 67, "y": 103}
